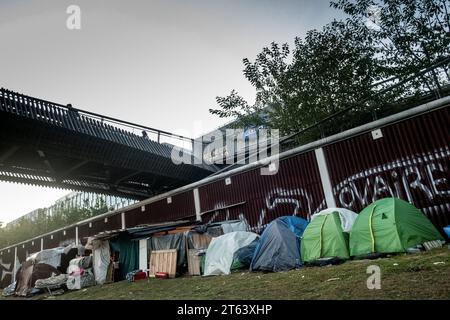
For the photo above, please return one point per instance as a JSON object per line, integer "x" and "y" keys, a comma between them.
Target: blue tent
{"x": 279, "y": 245}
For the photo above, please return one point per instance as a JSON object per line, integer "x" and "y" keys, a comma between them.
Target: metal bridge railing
{"x": 87, "y": 122}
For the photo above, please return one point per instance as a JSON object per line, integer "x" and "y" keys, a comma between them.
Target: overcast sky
{"x": 157, "y": 63}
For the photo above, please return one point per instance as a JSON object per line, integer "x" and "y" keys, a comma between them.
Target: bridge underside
{"x": 68, "y": 150}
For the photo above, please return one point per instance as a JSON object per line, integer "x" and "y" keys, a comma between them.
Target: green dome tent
{"x": 390, "y": 225}
{"x": 324, "y": 238}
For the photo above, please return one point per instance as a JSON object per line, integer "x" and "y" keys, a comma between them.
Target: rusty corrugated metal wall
{"x": 295, "y": 189}
{"x": 411, "y": 161}
{"x": 89, "y": 229}
{"x": 180, "y": 206}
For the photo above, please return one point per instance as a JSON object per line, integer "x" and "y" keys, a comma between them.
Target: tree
{"x": 343, "y": 65}
{"x": 63, "y": 216}
{"x": 408, "y": 34}
{"x": 327, "y": 70}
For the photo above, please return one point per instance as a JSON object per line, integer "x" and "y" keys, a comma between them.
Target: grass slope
{"x": 402, "y": 277}
{"x": 424, "y": 275}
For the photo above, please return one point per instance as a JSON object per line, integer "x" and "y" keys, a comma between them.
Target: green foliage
{"x": 344, "y": 63}
{"x": 406, "y": 34}
{"x": 43, "y": 223}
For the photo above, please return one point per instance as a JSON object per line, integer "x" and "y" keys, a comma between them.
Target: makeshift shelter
{"x": 70, "y": 252}
{"x": 175, "y": 241}
{"x": 324, "y": 237}
{"x": 279, "y": 246}
{"x": 198, "y": 240}
{"x": 124, "y": 247}
{"x": 128, "y": 252}
{"x": 390, "y": 225}
{"x": 221, "y": 250}
{"x": 48, "y": 256}
{"x": 29, "y": 273}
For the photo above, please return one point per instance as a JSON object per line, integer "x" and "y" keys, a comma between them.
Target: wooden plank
{"x": 200, "y": 240}
{"x": 174, "y": 231}
{"x": 163, "y": 261}
{"x": 194, "y": 262}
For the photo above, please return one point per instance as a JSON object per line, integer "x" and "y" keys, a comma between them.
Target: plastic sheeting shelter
{"x": 390, "y": 225}
{"x": 101, "y": 260}
{"x": 232, "y": 226}
{"x": 221, "y": 250}
{"x": 324, "y": 238}
{"x": 279, "y": 246}
{"x": 29, "y": 273}
{"x": 48, "y": 256}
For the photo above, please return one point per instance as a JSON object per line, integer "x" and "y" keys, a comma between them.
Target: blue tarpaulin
{"x": 447, "y": 231}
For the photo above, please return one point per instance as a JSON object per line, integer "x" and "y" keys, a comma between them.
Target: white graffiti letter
{"x": 379, "y": 187}
{"x": 415, "y": 184}
{"x": 342, "y": 192}
{"x": 434, "y": 181}
{"x": 362, "y": 197}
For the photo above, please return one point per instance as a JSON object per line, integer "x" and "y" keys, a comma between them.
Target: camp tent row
{"x": 386, "y": 226}
{"x": 389, "y": 225}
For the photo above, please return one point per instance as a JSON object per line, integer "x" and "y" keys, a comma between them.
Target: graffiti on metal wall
{"x": 5, "y": 269}
{"x": 425, "y": 173}
{"x": 299, "y": 200}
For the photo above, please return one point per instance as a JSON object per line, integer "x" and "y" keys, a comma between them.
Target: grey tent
{"x": 279, "y": 246}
